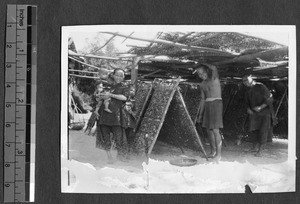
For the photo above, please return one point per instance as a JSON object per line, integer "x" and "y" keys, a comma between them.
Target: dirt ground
{"x": 88, "y": 170}
{"x": 82, "y": 148}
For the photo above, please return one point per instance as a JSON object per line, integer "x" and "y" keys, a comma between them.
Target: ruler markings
{"x": 15, "y": 115}
{"x": 20, "y": 39}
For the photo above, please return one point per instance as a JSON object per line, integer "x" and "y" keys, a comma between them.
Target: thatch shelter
{"x": 176, "y": 54}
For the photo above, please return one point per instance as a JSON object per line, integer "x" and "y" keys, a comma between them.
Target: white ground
{"x": 87, "y": 171}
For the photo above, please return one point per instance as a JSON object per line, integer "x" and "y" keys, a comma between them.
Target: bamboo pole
{"x": 89, "y": 65}
{"x": 92, "y": 56}
{"x": 82, "y": 76}
{"x": 127, "y": 37}
{"x": 177, "y": 41}
{"x": 175, "y": 44}
{"x": 127, "y": 55}
{"x": 156, "y": 37}
{"x": 134, "y": 70}
{"x": 257, "y": 69}
{"x": 82, "y": 71}
{"x": 136, "y": 46}
{"x": 154, "y": 72}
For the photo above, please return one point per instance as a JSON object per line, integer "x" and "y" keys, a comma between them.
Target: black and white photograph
{"x": 178, "y": 109}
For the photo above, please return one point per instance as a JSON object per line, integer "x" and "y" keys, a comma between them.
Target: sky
{"x": 81, "y": 38}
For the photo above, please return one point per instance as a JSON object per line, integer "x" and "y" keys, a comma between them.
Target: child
{"x": 104, "y": 75}
{"x": 95, "y": 113}
{"x": 100, "y": 89}
{"x": 130, "y": 117}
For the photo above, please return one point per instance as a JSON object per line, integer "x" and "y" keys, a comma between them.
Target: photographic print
{"x": 178, "y": 109}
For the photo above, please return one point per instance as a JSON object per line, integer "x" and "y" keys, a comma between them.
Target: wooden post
{"x": 134, "y": 70}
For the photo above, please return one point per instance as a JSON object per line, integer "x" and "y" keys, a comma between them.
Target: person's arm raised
{"x": 213, "y": 68}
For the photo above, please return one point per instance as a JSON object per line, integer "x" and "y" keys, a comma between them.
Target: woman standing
{"x": 111, "y": 123}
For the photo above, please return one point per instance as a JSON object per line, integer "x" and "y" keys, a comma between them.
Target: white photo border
{"x": 292, "y": 77}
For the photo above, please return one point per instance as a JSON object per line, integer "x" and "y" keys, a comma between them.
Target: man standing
{"x": 211, "y": 109}
{"x": 259, "y": 107}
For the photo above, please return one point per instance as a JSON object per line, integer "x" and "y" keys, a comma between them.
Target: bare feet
{"x": 212, "y": 155}
{"x": 216, "y": 159}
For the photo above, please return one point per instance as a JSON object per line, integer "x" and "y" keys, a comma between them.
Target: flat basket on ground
{"x": 183, "y": 161}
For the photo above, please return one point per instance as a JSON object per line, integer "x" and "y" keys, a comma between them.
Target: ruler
{"x": 20, "y": 103}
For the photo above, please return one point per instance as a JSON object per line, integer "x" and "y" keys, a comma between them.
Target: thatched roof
{"x": 175, "y": 54}
{"x": 233, "y": 43}
{"x": 240, "y": 54}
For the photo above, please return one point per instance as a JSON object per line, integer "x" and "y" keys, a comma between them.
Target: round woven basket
{"x": 183, "y": 161}
{"x": 77, "y": 125}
